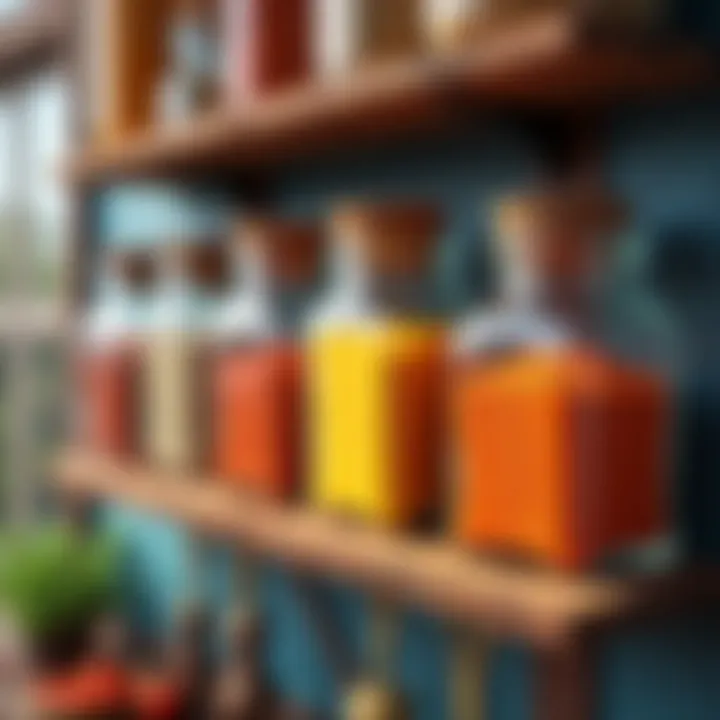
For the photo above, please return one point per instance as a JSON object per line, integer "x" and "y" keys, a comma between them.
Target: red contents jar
{"x": 267, "y": 46}
{"x": 109, "y": 379}
{"x": 257, "y": 388}
{"x": 109, "y": 364}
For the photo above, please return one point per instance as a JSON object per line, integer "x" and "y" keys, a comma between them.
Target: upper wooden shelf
{"x": 540, "y": 63}
{"x": 531, "y": 604}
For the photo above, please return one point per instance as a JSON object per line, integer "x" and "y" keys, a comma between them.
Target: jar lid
{"x": 197, "y": 8}
{"x": 393, "y": 238}
{"x": 135, "y": 268}
{"x": 291, "y": 249}
{"x": 202, "y": 264}
{"x": 389, "y": 219}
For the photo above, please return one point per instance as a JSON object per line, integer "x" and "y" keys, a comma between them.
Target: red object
{"x": 268, "y": 45}
{"x": 109, "y": 404}
{"x": 156, "y": 698}
{"x": 257, "y": 418}
{"x": 95, "y": 689}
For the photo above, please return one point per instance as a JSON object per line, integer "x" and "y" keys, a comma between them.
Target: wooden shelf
{"x": 530, "y": 604}
{"x": 540, "y": 63}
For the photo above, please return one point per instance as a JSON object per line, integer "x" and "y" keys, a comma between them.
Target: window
{"x": 33, "y": 233}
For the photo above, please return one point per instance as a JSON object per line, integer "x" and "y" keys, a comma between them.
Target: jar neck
{"x": 574, "y": 300}
{"x": 369, "y": 291}
{"x": 252, "y": 277}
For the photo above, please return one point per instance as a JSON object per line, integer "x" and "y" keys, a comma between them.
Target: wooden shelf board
{"x": 539, "y": 63}
{"x": 430, "y": 574}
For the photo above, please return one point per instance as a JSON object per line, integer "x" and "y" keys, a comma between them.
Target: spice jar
{"x": 455, "y": 24}
{"x": 257, "y": 376}
{"x": 125, "y": 41}
{"x": 109, "y": 362}
{"x": 561, "y": 431}
{"x": 192, "y": 72}
{"x": 176, "y": 372}
{"x": 375, "y": 369}
{"x": 267, "y": 46}
{"x": 357, "y": 33}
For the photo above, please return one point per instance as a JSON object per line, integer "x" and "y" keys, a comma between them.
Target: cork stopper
{"x": 135, "y": 269}
{"x": 290, "y": 250}
{"x": 585, "y": 211}
{"x": 203, "y": 264}
{"x": 559, "y": 231}
{"x": 205, "y": 9}
{"x": 395, "y": 239}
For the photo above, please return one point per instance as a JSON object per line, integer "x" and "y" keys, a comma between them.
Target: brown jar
{"x": 357, "y": 33}
{"x": 457, "y": 24}
{"x": 126, "y": 41}
{"x": 267, "y": 46}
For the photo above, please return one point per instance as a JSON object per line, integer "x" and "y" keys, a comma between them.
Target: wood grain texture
{"x": 539, "y": 63}
{"x": 431, "y": 574}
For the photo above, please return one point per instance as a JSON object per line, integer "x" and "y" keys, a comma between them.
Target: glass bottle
{"x": 257, "y": 375}
{"x": 266, "y": 46}
{"x": 458, "y": 24}
{"x": 375, "y": 369}
{"x": 356, "y": 33}
{"x": 176, "y": 393}
{"x": 192, "y": 76}
{"x": 561, "y": 429}
{"x": 109, "y": 369}
{"x": 124, "y": 58}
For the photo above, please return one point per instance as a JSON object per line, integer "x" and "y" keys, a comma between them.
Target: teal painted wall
{"x": 666, "y": 161}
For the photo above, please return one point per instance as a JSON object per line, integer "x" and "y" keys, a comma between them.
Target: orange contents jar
{"x": 561, "y": 441}
{"x": 257, "y": 378}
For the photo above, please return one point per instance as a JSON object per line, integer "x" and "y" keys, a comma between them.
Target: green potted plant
{"x": 56, "y": 582}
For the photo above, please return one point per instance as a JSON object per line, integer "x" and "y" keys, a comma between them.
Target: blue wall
{"x": 666, "y": 161}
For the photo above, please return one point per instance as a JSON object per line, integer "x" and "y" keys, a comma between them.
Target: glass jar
{"x": 561, "y": 428}
{"x": 356, "y": 33}
{"x": 192, "y": 74}
{"x": 267, "y": 46}
{"x": 109, "y": 368}
{"x": 176, "y": 391}
{"x": 375, "y": 369}
{"x": 457, "y": 24}
{"x": 125, "y": 44}
{"x": 258, "y": 370}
